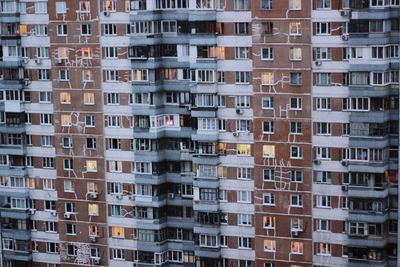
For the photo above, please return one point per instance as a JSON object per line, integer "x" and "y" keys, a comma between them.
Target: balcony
{"x": 368, "y": 191}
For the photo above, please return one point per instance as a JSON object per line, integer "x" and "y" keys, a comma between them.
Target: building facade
{"x": 206, "y": 133}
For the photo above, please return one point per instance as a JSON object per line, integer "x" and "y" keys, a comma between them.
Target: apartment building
{"x": 207, "y": 133}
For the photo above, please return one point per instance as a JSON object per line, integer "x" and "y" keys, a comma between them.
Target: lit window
{"x": 66, "y": 120}
{"x": 139, "y": 75}
{"x": 65, "y": 98}
{"x": 88, "y": 98}
{"x": 268, "y": 151}
{"x": 267, "y": 78}
{"x": 84, "y": 6}
{"x": 86, "y": 53}
{"x": 91, "y": 166}
{"x": 269, "y": 245}
{"x": 269, "y": 222}
{"x": 244, "y": 149}
{"x": 295, "y": 4}
{"x": 295, "y": 28}
{"x": 62, "y": 52}
{"x": 93, "y": 210}
{"x": 118, "y": 232}
{"x": 295, "y": 53}
{"x": 297, "y": 247}
{"x": 87, "y": 76}
{"x": 109, "y": 5}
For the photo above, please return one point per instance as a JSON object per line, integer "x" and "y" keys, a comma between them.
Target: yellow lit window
{"x": 268, "y": 151}
{"x": 267, "y": 78}
{"x": 66, "y": 120}
{"x": 65, "y": 98}
{"x": 221, "y": 148}
{"x": 244, "y": 149}
{"x": 220, "y": 52}
{"x": 295, "y": 53}
{"x": 93, "y": 230}
{"x": 269, "y": 245}
{"x": 84, "y": 6}
{"x": 295, "y": 28}
{"x": 93, "y": 210}
{"x": 118, "y": 232}
{"x": 91, "y": 166}
{"x": 88, "y": 98}
{"x": 139, "y": 75}
{"x": 269, "y": 221}
{"x": 297, "y": 247}
{"x": 23, "y": 30}
{"x": 109, "y": 5}
{"x": 86, "y": 53}
{"x": 63, "y": 52}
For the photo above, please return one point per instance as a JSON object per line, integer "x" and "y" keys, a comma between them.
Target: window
{"x": 267, "y": 102}
{"x": 244, "y": 242}
{"x": 68, "y": 164}
{"x": 111, "y": 52}
{"x": 49, "y": 205}
{"x": 41, "y": 52}
{"x": 51, "y": 247}
{"x": 84, "y": 6}
{"x": 296, "y": 224}
{"x": 40, "y": 7}
{"x": 296, "y": 247}
{"x": 267, "y": 78}
{"x": 241, "y": 5}
{"x": 323, "y": 79}
{"x": 109, "y": 5}
{"x": 296, "y": 176}
{"x": 323, "y": 249}
{"x": 63, "y": 75}
{"x": 139, "y": 75}
{"x": 44, "y": 97}
{"x": 295, "y": 103}
{"x": 323, "y": 225}
{"x": 91, "y": 143}
{"x": 69, "y": 186}
{"x": 323, "y": 103}
{"x": 61, "y": 7}
{"x": 269, "y": 222}
{"x": 267, "y": 53}
{"x": 324, "y": 128}
{"x": 242, "y": 52}
{"x": 113, "y": 99}
{"x": 111, "y": 75}
{"x": 242, "y": 125}
{"x": 47, "y": 140}
{"x": 87, "y": 76}
{"x": 269, "y": 245}
{"x": 295, "y": 78}
{"x": 86, "y": 29}
{"x": 269, "y": 199}
{"x": 51, "y": 227}
{"x": 323, "y": 28}
{"x": 93, "y": 209}
{"x": 66, "y": 120}
{"x": 91, "y": 166}
{"x": 242, "y": 77}
{"x": 244, "y": 196}
{"x": 323, "y": 153}
{"x": 241, "y": 28}
{"x": 295, "y": 53}
{"x": 269, "y": 175}
{"x": 296, "y": 152}
{"x": 296, "y": 200}
{"x": 268, "y": 127}
{"x": 323, "y": 177}
{"x": 86, "y": 53}
{"x": 323, "y": 53}
{"x": 118, "y": 254}
{"x": 323, "y": 201}
{"x": 294, "y": 4}
{"x": 48, "y": 162}
{"x": 266, "y": 4}
{"x": 267, "y": 27}
{"x": 62, "y": 30}
{"x": 242, "y": 101}
{"x": 71, "y": 229}
{"x": 323, "y": 4}
{"x": 244, "y": 173}
{"x": 89, "y": 121}
{"x": 114, "y": 121}
{"x": 110, "y": 29}
{"x": 243, "y": 149}
{"x": 268, "y": 151}
{"x": 88, "y": 98}
{"x": 295, "y": 28}
{"x": 43, "y": 75}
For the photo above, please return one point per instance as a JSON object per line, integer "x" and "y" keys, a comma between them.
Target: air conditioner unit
{"x": 93, "y": 195}
{"x": 96, "y": 260}
{"x": 54, "y": 213}
{"x": 345, "y": 13}
{"x": 25, "y": 60}
{"x": 235, "y": 134}
{"x": 295, "y": 232}
{"x": 345, "y": 37}
{"x": 67, "y": 215}
{"x": 193, "y": 31}
{"x": 119, "y": 196}
{"x": 317, "y": 162}
{"x": 171, "y": 195}
{"x": 131, "y": 197}
{"x": 345, "y": 163}
{"x": 32, "y": 211}
{"x": 106, "y": 13}
{"x": 93, "y": 239}
{"x": 239, "y": 111}
{"x": 38, "y": 60}
{"x": 318, "y": 63}
{"x": 345, "y": 187}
